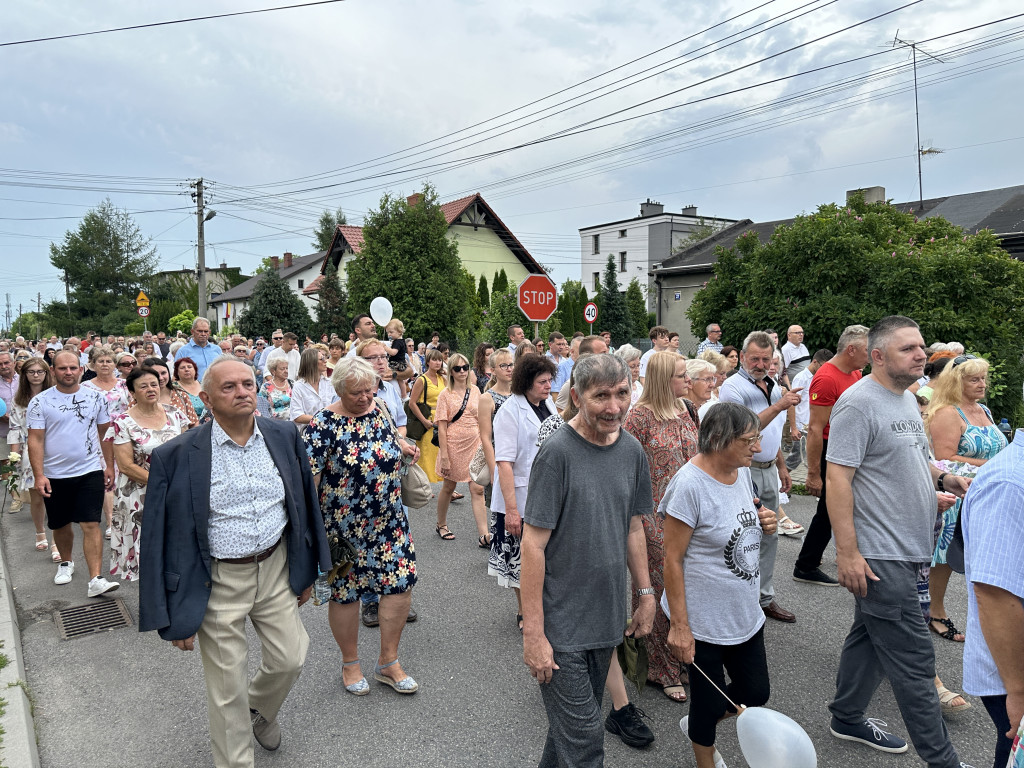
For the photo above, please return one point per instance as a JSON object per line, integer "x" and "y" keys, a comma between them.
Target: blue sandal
{"x": 360, "y": 687}
{"x": 405, "y": 685}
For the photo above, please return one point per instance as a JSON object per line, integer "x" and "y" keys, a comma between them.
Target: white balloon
{"x": 769, "y": 739}
{"x": 380, "y": 310}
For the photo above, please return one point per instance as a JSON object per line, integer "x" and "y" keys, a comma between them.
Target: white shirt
{"x": 643, "y": 362}
{"x": 247, "y": 513}
{"x": 292, "y": 357}
{"x": 71, "y": 446}
{"x": 305, "y": 399}
{"x": 803, "y": 410}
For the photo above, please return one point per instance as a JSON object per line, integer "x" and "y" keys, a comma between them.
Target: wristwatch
{"x": 939, "y": 485}
{"x": 645, "y": 591}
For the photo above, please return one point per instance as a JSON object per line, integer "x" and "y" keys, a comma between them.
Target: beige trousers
{"x": 261, "y": 592}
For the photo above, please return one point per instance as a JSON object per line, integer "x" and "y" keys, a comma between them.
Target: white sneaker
{"x": 64, "y": 571}
{"x": 106, "y": 535}
{"x": 99, "y": 585}
{"x": 684, "y": 723}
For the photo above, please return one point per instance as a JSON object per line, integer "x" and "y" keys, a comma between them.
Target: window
{"x": 622, "y": 261}
{"x": 597, "y": 281}
{"x": 301, "y": 284}
{"x": 596, "y": 243}
{"x": 622, "y": 233}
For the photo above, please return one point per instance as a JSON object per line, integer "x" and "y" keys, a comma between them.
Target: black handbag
{"x": 413, "y": 426}
{"x": 435, "y": 439}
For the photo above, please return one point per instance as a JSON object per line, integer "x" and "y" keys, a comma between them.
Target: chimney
{"x": 273, "y": 262}
{"x": 414, "y": 199}
{"x": 287, "y": 260}
{"x": 223, "y": 265}
{"x": 871, "y": 194}
{"x": 690, "y": 210}
{"x": 651, "y": 208}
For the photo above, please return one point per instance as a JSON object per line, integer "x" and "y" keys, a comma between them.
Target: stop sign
{"x": 538, "y": 298}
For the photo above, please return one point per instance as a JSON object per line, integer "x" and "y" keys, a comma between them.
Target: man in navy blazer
{"x": 233, "y": 530}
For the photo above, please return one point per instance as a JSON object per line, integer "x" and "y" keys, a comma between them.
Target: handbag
{"x": 435, "y": 438}
{"x": 416, "y": 491}
{"x": 479, "y": 471}
{"x": 414, "y": 427}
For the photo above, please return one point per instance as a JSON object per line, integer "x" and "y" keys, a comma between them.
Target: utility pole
{"x": 8, "y": 315}
{"x": 201, "y": 268}
{"x": 917, "y": 112}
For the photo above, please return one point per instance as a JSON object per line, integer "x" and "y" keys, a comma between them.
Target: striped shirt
{"x": 993, "y": 546}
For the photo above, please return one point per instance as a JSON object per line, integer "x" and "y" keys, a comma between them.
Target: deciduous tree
{"x": 273, "y": 305}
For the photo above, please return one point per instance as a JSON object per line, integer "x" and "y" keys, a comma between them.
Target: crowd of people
{"x": 233, "y": 477}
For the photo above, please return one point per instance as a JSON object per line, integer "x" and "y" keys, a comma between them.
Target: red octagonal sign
{"x": 538, "y": 298}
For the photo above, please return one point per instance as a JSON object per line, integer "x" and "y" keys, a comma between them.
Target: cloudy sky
{"x": 563, "y": 114}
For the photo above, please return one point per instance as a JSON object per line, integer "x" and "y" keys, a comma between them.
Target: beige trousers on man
{"x": 261, "y": 592}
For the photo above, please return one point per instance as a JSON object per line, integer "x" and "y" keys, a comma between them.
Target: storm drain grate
{"x": 99, "y": 616}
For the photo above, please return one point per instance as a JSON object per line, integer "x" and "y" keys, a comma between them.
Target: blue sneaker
{"x": 869, "y": 732}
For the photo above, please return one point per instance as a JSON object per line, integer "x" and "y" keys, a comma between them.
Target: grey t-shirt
{"x": 894, "y": 504}
{"x": 721, "y": 565}
{"x": 586, "y": 495}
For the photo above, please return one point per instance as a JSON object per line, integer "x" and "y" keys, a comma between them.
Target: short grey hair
{"x": 352, "y": 372}
{"x": 219, "y": 361}
{"x": 593, "y": 370}
{"x": 697, "y": 367}
{"x": 955, "y": 347}
{"x": 710, "y": 326}
{"x": 723, "y": 423}
{"x": 881, "y": 332}
{"x": 759, "y": 339}
{"x": 273, "y": 363}
{"x": 199, "y": 320}
{"x": 852, "y": 334}
{"x": 628, "y": 352}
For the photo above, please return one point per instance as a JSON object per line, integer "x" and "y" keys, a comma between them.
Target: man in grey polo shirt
{"x": 752, "y": 387}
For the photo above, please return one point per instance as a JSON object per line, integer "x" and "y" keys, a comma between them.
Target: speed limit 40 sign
{"x": 590, "y": 312}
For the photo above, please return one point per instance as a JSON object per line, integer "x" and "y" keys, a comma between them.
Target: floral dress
{"x": 117, "y": 398}
{"x": 361, "y": 500}
{"x": 668, "y": 444}
{"x": 18, "y": 434}
{"x": 129, "y": 496}
{"x": 975, "y": 443}
{"x": 279, "y": 398}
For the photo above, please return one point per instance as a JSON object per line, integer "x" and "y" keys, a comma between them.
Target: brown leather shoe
{"x": 773, "y": 611}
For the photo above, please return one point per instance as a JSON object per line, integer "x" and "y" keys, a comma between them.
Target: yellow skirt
{"x": 428, "y": 457}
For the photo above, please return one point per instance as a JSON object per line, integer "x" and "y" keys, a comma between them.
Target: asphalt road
{"x": 123, "y": 698}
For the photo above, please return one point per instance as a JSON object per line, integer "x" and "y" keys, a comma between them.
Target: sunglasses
{"x": 277, "y": 338}
{"x": 963, "y": 359}
{"x": 127, "y": 364}
{"x": 459, "y": 368}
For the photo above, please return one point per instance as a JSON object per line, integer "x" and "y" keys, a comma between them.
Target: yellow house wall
{"x": 483, "y": 253}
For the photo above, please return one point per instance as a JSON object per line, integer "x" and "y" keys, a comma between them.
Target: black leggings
{"x": 747, "y": 666}
{"x": 996, "y": 706}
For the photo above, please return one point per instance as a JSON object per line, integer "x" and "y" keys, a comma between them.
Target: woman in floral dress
{"x": 277, "y": 389}
{"x": 135, "y": 434}
{"x": 356, "y": 457}
{"x": 666, "y": 426}
{"x": 102, "y": 363}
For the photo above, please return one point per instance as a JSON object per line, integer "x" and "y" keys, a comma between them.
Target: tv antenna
{"x": 921, "y": 150}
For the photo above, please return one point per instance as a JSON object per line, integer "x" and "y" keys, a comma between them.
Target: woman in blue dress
{"x": 964, "y": 436}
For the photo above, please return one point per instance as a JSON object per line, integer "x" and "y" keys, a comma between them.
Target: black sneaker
{"x": 627, "y": 723}
{"x": 869, "y": 732}
{"x": 370, "y": 615}
{"x": 817, "y": 576}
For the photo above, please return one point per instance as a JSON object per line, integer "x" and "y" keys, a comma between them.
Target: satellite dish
{"x": 381, "y": 310}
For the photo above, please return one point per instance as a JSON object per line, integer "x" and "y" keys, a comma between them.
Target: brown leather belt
{"x": 763, "y": 464}
{"x": 259, "y": 557}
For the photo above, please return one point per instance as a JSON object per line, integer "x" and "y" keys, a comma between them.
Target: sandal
{"x": 447, "y": 535}
{"x": 951, "y": 630}
{"x": 519, "y": 621}
{"x": 484, "y": 542}
{"x": 675, "y": 692}
{"x": 55, "y": 554}
{"x": 456, "y": 496}
{"x": 41, "y": 543}
{"x": 946, "y": 698}
{"x": 405, "y": 685}
{"x": 360, "y": 687}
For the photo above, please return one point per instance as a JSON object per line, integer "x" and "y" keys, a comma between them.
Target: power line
{"x": 168, "y": 23}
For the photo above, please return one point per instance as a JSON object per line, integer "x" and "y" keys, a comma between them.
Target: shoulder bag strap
{"x": 465, "y": 401}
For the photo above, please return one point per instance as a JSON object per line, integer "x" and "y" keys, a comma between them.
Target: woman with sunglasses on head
{"x": 458, "y": 434}
{"x": 964, "y": 436}
{"x": 34, "y": 378}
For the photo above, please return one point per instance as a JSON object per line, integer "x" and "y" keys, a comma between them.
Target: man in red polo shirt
{"x": 830, "y": 381}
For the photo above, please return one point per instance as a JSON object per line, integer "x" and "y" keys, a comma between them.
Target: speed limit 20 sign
{"x": 590, "y": 312}
{"x": 143, "y": 311}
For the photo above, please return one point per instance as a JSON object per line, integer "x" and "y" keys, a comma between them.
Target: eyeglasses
{"x": 709, "y": 380}
{"x": 963, "y": 359}
{"x": 506, "y": 366}
{"x": 459, "y": 368}
{"x": 39, "y": 371}
{"x": 752, "y": 440}
{"x": 376, "y": 358}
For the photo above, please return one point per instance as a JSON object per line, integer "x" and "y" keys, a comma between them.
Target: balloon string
{"x": 734, "y": 704}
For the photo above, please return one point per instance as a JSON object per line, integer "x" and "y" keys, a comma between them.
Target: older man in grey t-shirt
{"x": 588, "y": 488}
{"x": 882, "y": 503}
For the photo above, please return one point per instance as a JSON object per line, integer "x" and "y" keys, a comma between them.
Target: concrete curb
{"x": 19, "y": 738}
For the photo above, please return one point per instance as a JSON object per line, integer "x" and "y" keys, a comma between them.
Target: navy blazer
{"x": 174, "y": 572}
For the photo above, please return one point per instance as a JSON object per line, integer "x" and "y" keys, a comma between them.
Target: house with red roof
{"x": 486, "y": 245}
